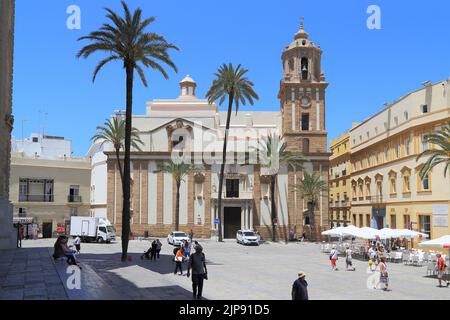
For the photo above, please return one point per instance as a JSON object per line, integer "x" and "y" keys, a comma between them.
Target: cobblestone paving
{"x": 235, "y": 272}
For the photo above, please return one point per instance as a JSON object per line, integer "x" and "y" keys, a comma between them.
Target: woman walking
{"x": 348, "y": 259}
{"x": 384, "y": 276}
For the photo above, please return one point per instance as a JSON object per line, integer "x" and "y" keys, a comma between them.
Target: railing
{"x": 241, "y": 195}
{"x": 73, "y": 198}
{"x": 36, "y": 197}
{"x": 376, "y": 199}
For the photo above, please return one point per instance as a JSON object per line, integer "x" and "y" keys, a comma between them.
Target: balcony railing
{"x": 73, "y": 198}
{"x": 376, "y": 199}
{"x": 241, "y": 195}
{"x": 36, "y": 198}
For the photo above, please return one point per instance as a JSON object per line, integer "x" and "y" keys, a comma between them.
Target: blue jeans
{"x": 71, "y": 259}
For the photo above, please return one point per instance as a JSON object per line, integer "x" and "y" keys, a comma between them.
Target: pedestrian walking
{"x": 384, "y": 276}
{"x": 187, "y": 249}
{"x": 441, "y": 266}
{"x": 191, "y": 235}
{"x": 158, "y": 248}
{"x": 197, "y": 263}
{"x": 348, "y": 259}
{"x": 372, "y": 253}
{"x": 77, "y": 243}
{"x": 178, "y": 261}
{"x": 300, "y": 288}
{"x": 334, "y": 257}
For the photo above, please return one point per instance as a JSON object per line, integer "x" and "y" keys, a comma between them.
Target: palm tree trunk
{"x": 126, "y": 171}
{"x": 273, "y": 181}
{"x": 177, "y": 208}
{"x": 312, "y": 223}
{"x": 118, "y": 164}
{"x": 222, "y": 167}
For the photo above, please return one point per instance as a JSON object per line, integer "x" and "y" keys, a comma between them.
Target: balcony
{"x": 36, "y": 198}
{"x": 242, "y": 195}
{"x": 73, "y": 198}
{"x": 376, "y": 199}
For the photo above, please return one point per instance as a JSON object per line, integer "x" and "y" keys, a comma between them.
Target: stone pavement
{"x": 29, "y": 274}
{"x": 236, "y": 272}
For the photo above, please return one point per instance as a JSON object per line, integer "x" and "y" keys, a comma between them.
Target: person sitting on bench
{"x": 63, "y": 250}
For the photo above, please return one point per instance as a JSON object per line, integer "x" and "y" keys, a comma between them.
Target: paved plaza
{"x": 235, "y": 272}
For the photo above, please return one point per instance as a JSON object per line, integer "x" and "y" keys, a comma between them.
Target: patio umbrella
{"x": 442, "y": 242}
{"x": 368, "y": 233}
{"x": 411, "y": 234}
{"x": 336, "y": 232}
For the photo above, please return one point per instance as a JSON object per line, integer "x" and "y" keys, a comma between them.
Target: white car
{"x": 176, "y": 238}
{"x": 247, "y": 237}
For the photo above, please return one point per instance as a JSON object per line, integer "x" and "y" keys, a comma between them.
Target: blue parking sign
{"x": 216, "y": 221}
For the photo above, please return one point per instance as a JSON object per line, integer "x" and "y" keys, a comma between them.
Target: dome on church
{"x": 187, "y": 79}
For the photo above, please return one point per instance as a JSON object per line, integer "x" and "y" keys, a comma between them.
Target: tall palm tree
{"x": 178, "y": 171}
{"x": 440, "y": 138}
{"x": 230, "y": 83}
{"x": 273, "y": 154}
{"x": 113, "y": 131}
{"x": 124, "y": 39}
{"x": 311, "y": 188}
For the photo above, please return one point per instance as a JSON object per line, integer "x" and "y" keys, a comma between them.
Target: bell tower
{"x": 302, "y": 95}
{"x": 302, "y": 103}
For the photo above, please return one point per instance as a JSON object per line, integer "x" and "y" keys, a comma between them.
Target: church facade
{"x": 192, "y": 129}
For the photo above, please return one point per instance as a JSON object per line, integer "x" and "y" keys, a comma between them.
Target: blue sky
{"x": 365, "y": 68}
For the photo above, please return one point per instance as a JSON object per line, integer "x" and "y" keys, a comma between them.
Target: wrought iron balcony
{"x": 73, "y": 198}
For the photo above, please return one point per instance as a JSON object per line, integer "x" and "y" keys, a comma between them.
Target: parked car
{"x": 176, "y": 238}
{"x": 247, "y": 237}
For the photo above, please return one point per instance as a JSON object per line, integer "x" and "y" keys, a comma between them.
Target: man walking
{"x": 441, "y": 270}
{"x": 77, "y": 243}
{"x": 300, "y": 288}
{"x": 153, "y": 250}
{"x": 334, "y": 257}
{"x": 197, "y": 263}
{"x": 158, "y": 248}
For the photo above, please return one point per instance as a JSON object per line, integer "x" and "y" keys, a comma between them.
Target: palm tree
{"x": 311, "y": 188}
{"x": 125, "y": 39}
{"x": 178, "y": 171}
{"x": 273, "y": 154}
{"x": 230, "y": 83}
{"x": 113, "y": 131}
{"x": 440, "y": 138}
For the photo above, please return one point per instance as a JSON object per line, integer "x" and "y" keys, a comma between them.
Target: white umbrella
{"x": 336, "y": 232}
{"x": 411, "y": 234}
{"x": 351, "y": 230}
{"x": 442, "y": 242}
{"x": 368, "y": 233}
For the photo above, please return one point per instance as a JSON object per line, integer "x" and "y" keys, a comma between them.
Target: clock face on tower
{"x": 305, "y": 101}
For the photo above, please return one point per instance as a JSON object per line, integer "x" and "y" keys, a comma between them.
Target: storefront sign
{"x": 440, "y": 215}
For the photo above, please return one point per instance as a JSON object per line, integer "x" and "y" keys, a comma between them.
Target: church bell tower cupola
{"x": 187, "y": 87}
{"x": 302, "y": 95}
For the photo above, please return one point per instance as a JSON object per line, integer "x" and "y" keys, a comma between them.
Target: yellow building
{"x": 386, "y": 190}
{"x": 339, "y": 181}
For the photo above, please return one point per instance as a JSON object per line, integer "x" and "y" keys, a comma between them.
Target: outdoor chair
{"x": 414, "y": 260}
{"x": 431, "y": 269}
{"x": 405, "y": 257}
